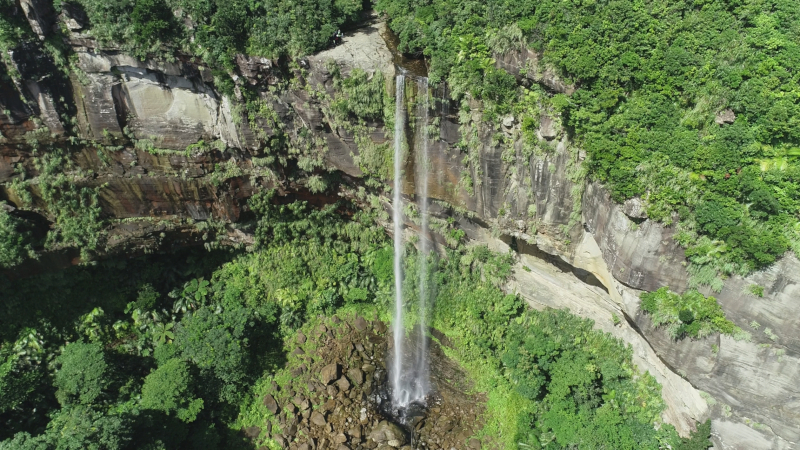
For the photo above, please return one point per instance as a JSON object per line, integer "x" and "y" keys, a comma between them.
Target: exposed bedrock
{"x": 167, "y": 146}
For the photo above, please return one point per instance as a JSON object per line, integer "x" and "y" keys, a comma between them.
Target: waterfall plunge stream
{"x": 410, "y": 377}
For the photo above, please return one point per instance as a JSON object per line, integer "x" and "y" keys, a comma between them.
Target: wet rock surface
{"x": 336, "y": 402}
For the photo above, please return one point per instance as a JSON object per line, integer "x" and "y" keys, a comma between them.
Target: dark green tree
{"x": 82, "y": 374}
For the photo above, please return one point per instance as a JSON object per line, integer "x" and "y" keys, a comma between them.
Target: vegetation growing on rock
{"x": 690, "y": 106}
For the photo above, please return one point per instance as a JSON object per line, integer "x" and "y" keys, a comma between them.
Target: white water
{"x": 410, "y": 379}
{"x": 423, "y": 377}
{"x": 397, "y": 217}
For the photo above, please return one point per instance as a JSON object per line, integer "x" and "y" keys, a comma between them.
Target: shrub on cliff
{"x": 691, "y": 314}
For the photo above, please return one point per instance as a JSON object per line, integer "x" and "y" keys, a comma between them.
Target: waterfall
{"x": 422, "y": 384}
{"x": 410, "y": 379}
{"x": 397, "y": 218}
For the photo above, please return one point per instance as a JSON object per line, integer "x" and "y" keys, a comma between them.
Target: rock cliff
{"x": 169, "y": 147}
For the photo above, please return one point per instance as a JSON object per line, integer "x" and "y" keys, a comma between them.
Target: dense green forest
{"x": 651, "y": 78}
{"x": 163, "y": 351}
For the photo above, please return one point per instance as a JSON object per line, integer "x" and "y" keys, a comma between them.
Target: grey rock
{"x": 547, "y": 128}
{"x": 40, "y": 15}
{"x": 634, "y": 208}
{"x": 725, "y": 117}
{"x": 385, "y": 432}
{"x": 356, "y": 375}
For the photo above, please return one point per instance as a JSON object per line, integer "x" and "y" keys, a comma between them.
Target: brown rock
{"x": 298, "y": 351}
{"x": 330, "y": 405}
{"x": 343, "y": 384}
{"x": 279, "y": 439}
{"x": 474, "y": 444}
{"x": 252, "y": 432}
{"x": 342, "y": 447}
{"x": 360, "y": 323}
{"x": 304, "y": 446}
{"x": 332, "y": 390}
{"x": 301, "y": 338}
{"x": 340, "y": 438}
{"x": 318, "y": 419}
{"x": 355, "y": 432}
{"x": 271, "y": 404}
{"x": 329, "y": 373}
{"x": 380, "y": 327}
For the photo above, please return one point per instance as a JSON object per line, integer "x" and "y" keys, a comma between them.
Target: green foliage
{"x": 82, "y": 375}
{"x": 360, "y": 96}
{"x": 691, "y": 314}
{"x": 170, "y": 389}
{"x": 13, "y": 26}
{"x": 217, "y": 344}
{"x": 652, "y": 77}
{"x": 15, "y": 240}
{"x": 756, "y": 290}
{"x": 221, "y": 29}
{"x": 74, "y": 210}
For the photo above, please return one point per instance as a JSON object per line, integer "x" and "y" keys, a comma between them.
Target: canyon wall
{"x": 169, "y": 151}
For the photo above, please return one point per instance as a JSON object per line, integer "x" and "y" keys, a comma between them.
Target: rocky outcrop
{"x": 324, "y": 405}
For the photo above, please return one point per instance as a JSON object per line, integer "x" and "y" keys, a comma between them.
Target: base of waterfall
{"x": 334, "y": 393}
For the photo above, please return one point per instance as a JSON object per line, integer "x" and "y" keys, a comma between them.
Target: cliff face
{"x": 168, "y": 150}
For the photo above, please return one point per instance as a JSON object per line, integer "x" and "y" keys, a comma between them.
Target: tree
{"x": 82, "y": 374}
{"x": 15, "y": 242}
{"x": 170, "y": 389}
{"x": 216, "y": 342}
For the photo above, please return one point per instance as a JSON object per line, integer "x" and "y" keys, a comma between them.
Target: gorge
{"x": 167, "y": 157}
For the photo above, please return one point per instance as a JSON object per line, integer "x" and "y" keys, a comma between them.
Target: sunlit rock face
{"x": 587, "y": 253}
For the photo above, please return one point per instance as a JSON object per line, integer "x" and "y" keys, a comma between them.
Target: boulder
{"x": 386, "y": 432}
{"x": 343, "y": 384}
{"x": 634, "y": 208}
{"x": 725, "y": 117}
{"x": 271, "y": 404}
{"x": 318, "y": 419}
{"x": 252, "y": 432}
{"x": 547, "y": 128}
{"x": 329, "y": 373}
{"x": 301, "y": 338}
{"x": 356, "y": 375}
{"x": 360, "y": 323}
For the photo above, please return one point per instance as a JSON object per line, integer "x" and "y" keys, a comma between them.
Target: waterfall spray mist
{"x": 397, "y": 218}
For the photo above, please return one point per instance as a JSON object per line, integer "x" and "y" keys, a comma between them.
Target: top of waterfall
{"x": 407, "y": 64}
